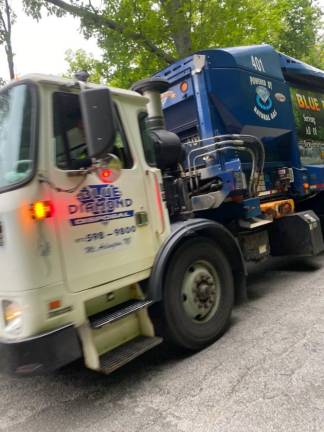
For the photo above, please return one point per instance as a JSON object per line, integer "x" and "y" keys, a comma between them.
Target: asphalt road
{"x": 265, "y": 374}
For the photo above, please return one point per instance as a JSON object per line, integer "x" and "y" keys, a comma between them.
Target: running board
{"x": 123, "y": 354}
{"x": 117, "y": 312}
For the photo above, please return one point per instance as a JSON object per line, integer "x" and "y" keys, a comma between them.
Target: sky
{"x": 40, "y": 46}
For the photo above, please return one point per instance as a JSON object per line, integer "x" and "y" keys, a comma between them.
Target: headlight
{"x": 12, "y": 314}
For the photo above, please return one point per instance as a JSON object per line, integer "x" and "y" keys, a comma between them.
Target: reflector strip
{"x": 159, "y": 202}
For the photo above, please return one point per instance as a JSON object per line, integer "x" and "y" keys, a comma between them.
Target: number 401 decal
{"x": 257, "y": 64}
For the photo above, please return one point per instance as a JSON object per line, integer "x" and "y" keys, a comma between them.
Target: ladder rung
{"x": 117, "y": 312}
{"x": 127, "y": 352}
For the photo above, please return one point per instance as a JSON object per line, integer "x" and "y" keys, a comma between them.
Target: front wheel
{"x": 198, "y": 294}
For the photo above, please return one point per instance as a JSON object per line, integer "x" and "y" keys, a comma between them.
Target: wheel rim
{"x": 201, "y": 291}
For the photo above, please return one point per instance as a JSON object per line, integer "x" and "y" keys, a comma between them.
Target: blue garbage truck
{"x": 251, "y": 123}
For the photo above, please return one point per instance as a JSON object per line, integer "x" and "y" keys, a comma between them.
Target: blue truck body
{"x": 252, "y": 91}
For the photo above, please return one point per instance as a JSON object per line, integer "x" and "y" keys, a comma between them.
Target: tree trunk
{"x": 179, "y": 24}
{"x": 9, "y": 52}
{"x": 10, "y": 61}
{"x": 6, "y": 17}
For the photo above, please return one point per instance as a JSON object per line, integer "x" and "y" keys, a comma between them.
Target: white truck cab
{"x": 86, "y": 243}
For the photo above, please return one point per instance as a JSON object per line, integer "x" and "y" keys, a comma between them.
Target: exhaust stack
{"x": 168, "y": 149}
{"x": 152, "y": 89}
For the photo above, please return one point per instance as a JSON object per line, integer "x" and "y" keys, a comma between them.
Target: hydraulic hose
{"x": 246, "y": 143}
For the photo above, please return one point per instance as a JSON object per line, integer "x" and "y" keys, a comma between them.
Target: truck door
{"x": 103, "y": 227}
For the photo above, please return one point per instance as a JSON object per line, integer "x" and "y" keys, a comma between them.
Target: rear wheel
{"x": 198, "y": 294}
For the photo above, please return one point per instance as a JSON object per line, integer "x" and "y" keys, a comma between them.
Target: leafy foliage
{"x": 298, "y": 36}
{"x": 139, "y": 37}
{"x": 81, "y": 61}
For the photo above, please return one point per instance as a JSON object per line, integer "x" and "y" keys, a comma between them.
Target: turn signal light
{"x": 41, "y": 210}
{"x": 105, "y": 174}
{"x": 108, "y": 175}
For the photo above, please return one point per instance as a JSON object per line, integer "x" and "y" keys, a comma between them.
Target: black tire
{"x": 178, "y": 327}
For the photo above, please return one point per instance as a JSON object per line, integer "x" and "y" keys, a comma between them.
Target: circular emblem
{"x": 263, "y": 99}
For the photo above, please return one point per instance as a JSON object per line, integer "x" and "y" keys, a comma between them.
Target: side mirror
{"x": 99, "y": 121}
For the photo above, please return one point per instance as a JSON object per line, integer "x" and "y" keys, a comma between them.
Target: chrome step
{"x": 125, "y": 353}
{"x": 117, "y": 312}
{"x": 254, "y": 222}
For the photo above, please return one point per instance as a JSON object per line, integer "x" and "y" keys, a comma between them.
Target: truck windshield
{"x": 16, "y": 136}
{"x": 308, "y": 107}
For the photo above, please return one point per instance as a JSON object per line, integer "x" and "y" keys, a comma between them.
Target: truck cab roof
{"x": 54, "y": 80}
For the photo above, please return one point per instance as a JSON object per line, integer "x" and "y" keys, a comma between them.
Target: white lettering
{"x": 260, "y": 114}
{"x": 257, "y": 64}
{"x": 257, "y": 81}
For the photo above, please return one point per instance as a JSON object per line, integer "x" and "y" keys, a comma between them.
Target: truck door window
{"x": 70, "y": 144}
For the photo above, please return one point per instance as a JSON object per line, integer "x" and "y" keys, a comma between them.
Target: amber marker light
{"x": 184, "y": 86}
{"x": 54, "y": 304}
{"x": 41, "y": 210}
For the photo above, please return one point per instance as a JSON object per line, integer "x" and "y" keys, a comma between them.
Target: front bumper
{"x": 40, "y": 354}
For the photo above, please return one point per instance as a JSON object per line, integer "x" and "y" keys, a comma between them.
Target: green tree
{"x": 7, "y": 18}
{"x": 139, "y": 37}
{"x": 81, "y": 61}
{"x": 299, "y": 36}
